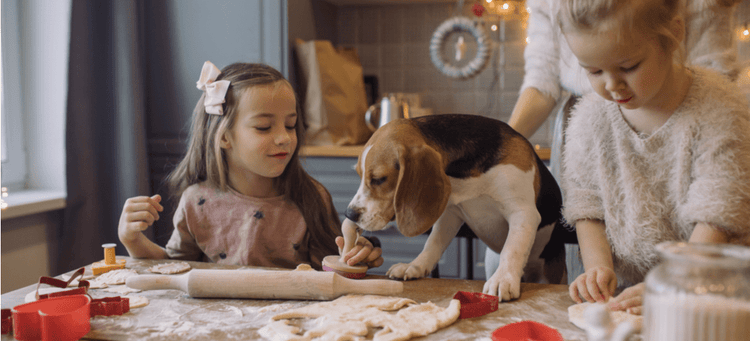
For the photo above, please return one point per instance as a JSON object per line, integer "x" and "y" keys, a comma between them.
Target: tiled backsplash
{"x": 393, "y": 44}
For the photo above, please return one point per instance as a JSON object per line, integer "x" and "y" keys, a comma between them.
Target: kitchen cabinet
{"x": 337, "y": 174}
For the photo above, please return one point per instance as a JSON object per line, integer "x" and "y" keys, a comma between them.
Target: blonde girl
{"x": 244, "y": 197}
{"x": 659, "y": 152}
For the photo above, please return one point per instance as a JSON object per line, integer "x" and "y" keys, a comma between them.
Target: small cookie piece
{"x": 137, "y": 301}
{"x": 170, "y": 268}
{"x": 304, "y": 267}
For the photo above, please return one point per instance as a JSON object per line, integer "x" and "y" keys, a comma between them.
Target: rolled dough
{"x": 577, "y": 317}
{"x": 121, "y": 289}
{"x": 170, "y": 268}
{"x": 115, "y": 277}
{"x": 351, "y": 316}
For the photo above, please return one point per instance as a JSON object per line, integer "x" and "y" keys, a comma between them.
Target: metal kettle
{"x": 389, "y": 109}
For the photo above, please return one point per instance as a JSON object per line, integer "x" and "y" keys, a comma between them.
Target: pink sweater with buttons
{"x": 231, "y": 228}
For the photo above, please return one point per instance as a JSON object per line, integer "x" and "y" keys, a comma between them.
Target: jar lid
{"x": 724, "y": 255}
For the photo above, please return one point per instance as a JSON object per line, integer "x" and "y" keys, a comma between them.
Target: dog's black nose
{"x": 351, "y": 214}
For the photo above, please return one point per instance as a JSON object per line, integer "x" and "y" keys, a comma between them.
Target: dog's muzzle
{"x": 352, "y": 214}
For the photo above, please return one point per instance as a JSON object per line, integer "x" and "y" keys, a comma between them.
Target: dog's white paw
{"x": 503, "y": 285}
{"x": 406, "y": 271}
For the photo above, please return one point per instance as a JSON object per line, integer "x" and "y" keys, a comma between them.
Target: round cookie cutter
{"x": 526, "y": 330}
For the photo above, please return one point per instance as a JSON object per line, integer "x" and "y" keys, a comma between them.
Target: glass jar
{"x": 698, "y": 292}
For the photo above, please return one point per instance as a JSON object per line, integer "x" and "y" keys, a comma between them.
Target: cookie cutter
{"x": 109, "y": 306}
{"x": 61, "y": 315}
{"x": 57, "y": 318}
{"x": 526, "y": 330}
{"x": 475, "y": 304}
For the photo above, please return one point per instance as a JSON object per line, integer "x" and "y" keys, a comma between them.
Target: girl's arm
{"x": 541, "y": 81}
{"x": 599, "y": 281}
{"x": 531, "y": 110}
{"x": 142, "y": 247}
{"x": 137, "y": 215}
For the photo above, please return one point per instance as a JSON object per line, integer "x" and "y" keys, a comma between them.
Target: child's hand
{"x": 137, "y": 215}
{"x": 630, "y": 300}
{"x": 362, "y": 252}
{"x": 595, "y": 285}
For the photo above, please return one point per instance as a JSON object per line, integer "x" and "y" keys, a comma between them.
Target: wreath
{"x": 460, "y": 24}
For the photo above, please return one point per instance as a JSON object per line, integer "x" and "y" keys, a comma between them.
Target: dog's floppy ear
{"x": 422, "y": 191}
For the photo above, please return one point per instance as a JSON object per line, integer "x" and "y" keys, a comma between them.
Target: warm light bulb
{"x": 505, "y": 5}
{"x": 488, "y": 1}
{"x": 493, "y": 27}
{"x": 746, "y": 32}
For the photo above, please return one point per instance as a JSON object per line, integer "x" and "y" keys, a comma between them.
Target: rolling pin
{"x": 295, "y": 285}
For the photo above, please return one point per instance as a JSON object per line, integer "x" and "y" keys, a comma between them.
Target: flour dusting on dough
{"x": 170, "y": 268}
{"x": 353, "y": 316}
{"x": 115, "y": 277}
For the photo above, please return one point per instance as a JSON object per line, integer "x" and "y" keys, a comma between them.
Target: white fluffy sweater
{"x": 649, "y": 189}
{"x": 551, "y": 66}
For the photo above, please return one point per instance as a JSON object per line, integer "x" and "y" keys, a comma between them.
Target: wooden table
{"x": 172, "y": 315}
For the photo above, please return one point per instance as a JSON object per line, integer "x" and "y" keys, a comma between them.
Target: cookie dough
{"x": 137, "y": 301}
{"x": 355, "y": 315}
{"x": 115, "y": 277}
{"x": 121, "y": 289}
{"x": 170, "y": 268}
{"x": 576, "y": 315}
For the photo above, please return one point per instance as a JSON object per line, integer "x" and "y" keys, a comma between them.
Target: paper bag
{"x": 335, "y": 98}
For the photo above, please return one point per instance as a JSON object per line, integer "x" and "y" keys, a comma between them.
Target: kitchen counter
{"x": 172, "y": 315}
{"x": 354, "y": 151}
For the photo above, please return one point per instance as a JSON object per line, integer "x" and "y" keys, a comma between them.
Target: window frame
{"x": 14, "y": 168}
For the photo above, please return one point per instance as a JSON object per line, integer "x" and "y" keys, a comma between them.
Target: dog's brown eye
{"x": 377, "y": 181}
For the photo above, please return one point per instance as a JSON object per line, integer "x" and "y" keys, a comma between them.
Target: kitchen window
{"x": 34, "y": 50}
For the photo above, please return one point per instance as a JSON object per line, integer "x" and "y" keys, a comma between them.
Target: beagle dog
{"x": 442, "y": 171}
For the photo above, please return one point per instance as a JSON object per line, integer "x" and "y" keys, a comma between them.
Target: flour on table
{"x": 354, "y": 315}
{"x": 137, "y": 301}
{"x": 170, "y": 268}
{"x": 121, "y": 289}
{"x": 115, "y": 277}
{"x": 577, "y": 317}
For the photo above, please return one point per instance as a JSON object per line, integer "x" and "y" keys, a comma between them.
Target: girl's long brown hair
{"x": 204, "y": 160}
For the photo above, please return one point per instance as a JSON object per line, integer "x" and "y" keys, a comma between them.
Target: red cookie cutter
{"x": 109, "y": 306}
{"x": 526, "y": 331}
{"x": 59, "y": 315}
{"x": 57, "y": 318}
{"x": 474, "y": 304}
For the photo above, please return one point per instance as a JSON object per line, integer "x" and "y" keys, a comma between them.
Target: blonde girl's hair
{"x": 624, "y": 16}
{"x": 205, "y": 160}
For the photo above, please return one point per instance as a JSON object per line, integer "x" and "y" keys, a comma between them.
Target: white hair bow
{"x": 216, "y": 91}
